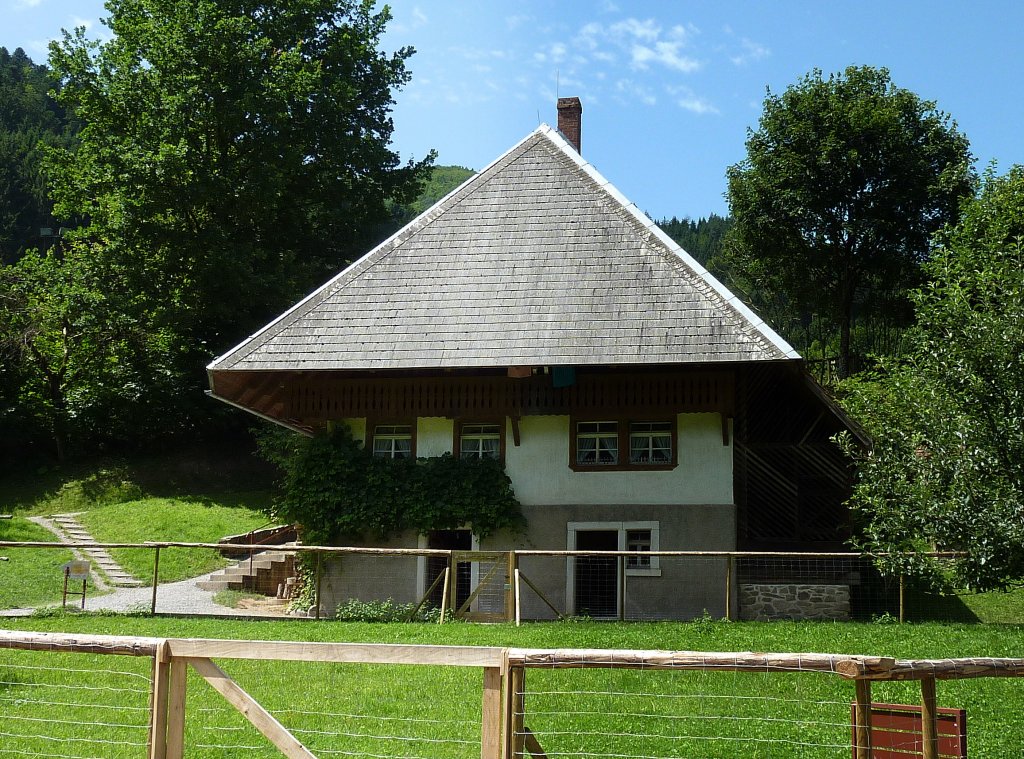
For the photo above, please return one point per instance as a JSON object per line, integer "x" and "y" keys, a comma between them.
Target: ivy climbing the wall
{"x": 338, "y": 492}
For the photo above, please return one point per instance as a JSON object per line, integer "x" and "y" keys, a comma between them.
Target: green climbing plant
{"x": 337, "y": 490}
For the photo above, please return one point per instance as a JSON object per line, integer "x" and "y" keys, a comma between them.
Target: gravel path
{"x": 172, "y": 598}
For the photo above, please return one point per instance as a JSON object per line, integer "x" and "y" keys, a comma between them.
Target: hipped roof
{"x": 537, "y": 260}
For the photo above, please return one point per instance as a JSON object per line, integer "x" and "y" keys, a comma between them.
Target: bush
{"x": 354, "y": 610}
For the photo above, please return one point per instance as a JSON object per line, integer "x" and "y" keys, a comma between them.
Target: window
{"x": 625, "y": 536}
{"x": 480, "y": 441}
{"x": 638, "y": 540}
{"x": 597, "y": 443}
{"x": 650, "y": 443}
{"x": 392, "y": 441}
{"x": 622, "y": 445}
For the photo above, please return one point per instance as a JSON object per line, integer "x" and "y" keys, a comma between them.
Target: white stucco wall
{"x": 539, "y": 466}
{"x": 540, "y": 471}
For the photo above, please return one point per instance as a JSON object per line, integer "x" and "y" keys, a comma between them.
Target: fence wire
{"x": 341, "y": 710}
{"x": 73, "y": 706}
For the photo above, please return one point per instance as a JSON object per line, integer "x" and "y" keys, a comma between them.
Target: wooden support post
{"x": 444, "y": 596}
{"x": 728, "y": 587}
{"x": 289, "y": 746}
{"x": 316, "y": 598}
{"x": 453, "y": 582}
{"x": 863, "y": 712}
{"x": 541, "y": 596}
{"x": 176, "y": 709}
{"x": 515, "y": 732}
{"x": 156, "y": 578}
{"x": 510, "y": 596}
{"x": 622, "y": 588}
{"x": 518, "y": 597}
{"x": 158, "y": 704}
{"x": 929, "y": 720}
{"x": 903, "y": 588}
{"x": 490, "y": 728}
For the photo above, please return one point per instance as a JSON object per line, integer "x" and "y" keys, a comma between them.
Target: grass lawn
{"x": 30, "y": 576}
{"x": 167, "y": 519}
{"x": 423, "y": 711}
{"x": 199, "y": 495}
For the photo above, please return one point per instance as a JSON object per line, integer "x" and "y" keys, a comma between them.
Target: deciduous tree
{"x": 846, "y": 179}
{"x": 233, "y": 154}
{"x": 947, "y": 465}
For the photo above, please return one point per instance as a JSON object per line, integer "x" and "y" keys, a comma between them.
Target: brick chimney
{"x": 570, "y": 116}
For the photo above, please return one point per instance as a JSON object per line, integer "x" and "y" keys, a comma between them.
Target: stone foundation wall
{"x": 768, "y": 602}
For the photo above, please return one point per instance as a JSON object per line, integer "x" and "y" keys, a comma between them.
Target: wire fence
{"x": 72, "y": 696}
{"x": 419, "y": 583}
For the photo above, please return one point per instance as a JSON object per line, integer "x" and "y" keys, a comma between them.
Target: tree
{"x": 232, "y": 155}
{"x": 74, "y": 353}
{"x": 29, "y": 117}
{"x": 846, "y": 180}
{"x": 947, "y": 465}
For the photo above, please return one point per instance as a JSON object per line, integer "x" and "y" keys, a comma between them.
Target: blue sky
{"x": 668, "y": 88}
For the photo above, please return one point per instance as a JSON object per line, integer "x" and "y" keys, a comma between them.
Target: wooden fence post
{"x": 929, "y": 720}
{"x": 316, "y": 591}
{"x": 515, "y": 732}
{"x": 728, "y": 588}
{"x": 903, "y": 607}
{"x": 490, "y": 727}
{"x": 158, "y": 707}
{"x": 622, "y": 588}
{"x": 863, "y": 712}
{"x": 156, "y": 578}
{"x": 176, "y": 709}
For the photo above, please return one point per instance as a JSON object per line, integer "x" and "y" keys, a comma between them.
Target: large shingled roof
{"x": 536, "y": 260}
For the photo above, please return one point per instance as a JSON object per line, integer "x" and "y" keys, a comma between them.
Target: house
{"x": 536, "y": 315}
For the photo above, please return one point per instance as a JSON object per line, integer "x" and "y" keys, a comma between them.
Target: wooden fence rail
{"x": 503, "y": 732}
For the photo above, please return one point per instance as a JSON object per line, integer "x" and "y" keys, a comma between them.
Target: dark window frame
{"x": 624, "y": 464}
{"x": 467, "y": 421}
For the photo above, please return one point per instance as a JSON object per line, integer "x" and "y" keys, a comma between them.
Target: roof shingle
{"x": 537, "y": 260}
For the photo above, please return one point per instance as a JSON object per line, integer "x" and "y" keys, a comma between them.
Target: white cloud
{"x": 686, "y": 99}
{"x": 647, "y": 29}
{"x": 515, "y": 21}
{"x": 750, "y": 51}
{"x": 635, "y": 90}
{"x": 22, "y": 4}
{"x": 609, "y": 7}
{"x": 418, "y": 16}
{"x": 643, "y": 41}
{"x": 666, "y": 53}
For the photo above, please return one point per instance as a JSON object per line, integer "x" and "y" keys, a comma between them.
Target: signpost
{"x": 75, "y": 570}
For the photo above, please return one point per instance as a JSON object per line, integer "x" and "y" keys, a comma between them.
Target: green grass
{"x": 196, "y": 495}
{"x": 583, "y": 714}
{"x": 232, "y": 598}
{"x": 164, "y": 519}
{"x": 30, "y": 576}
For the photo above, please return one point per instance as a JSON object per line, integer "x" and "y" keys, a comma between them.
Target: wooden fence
{"x": 501, "y": 573}
{"x": 503, "y": 732}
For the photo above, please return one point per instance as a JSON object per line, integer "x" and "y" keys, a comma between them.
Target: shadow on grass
{"x": 934, "y": 607}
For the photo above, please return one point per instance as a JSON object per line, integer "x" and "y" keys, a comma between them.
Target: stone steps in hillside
{"x": 261, "y": 574}
{"x": 76, "y": 533}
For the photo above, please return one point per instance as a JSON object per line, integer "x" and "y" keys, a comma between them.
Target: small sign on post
{"x": 75, "y": 570}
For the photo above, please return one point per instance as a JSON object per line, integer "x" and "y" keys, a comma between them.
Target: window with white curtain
{"x": 392, "y": 441}
{"x": 480, "y": 441}
{"x": 597, "y": 443}
{"x": 650, "y": 443}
